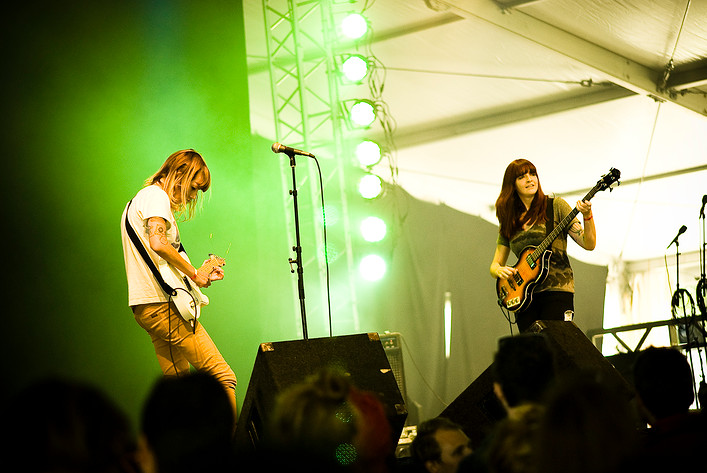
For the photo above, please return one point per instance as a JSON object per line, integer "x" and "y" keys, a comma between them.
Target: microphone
{"x": 680, "y": 232}
{"x": 702, "y": 210}
{"x": 280, "y": 148}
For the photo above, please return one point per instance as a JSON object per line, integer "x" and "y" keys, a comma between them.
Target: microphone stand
{"x": 678, "y": 301}
{"x": 702, "y": 283}
{"x": 298, "y": 247}
{"x": 701, "y": 303}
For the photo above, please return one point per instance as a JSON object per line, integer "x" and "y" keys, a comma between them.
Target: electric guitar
{"x": 516, "y": 292}
{"x": 188, "y": 298}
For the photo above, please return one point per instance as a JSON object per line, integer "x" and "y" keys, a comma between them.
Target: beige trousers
{"x": 177, "y": 346}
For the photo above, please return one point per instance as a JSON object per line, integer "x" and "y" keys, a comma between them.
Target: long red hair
{"x": 509, "y": 207}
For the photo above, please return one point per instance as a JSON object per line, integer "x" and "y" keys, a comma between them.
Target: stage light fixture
{"x": 368, "y": 153}
{"x": 355, "y": 68}
{"x": 447, "y": 324}
{"x": 331, "y": 215}
{"x": 362, "y": 113}
{"x": 373, "y": 229}
{"x": 372, "y": 267}
{"x": 332, "y": 252}
{"x": 354, "y": 26}
{"x": 370, "y": 186}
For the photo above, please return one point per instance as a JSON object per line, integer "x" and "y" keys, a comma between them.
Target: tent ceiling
{"x": 576, "y": 87}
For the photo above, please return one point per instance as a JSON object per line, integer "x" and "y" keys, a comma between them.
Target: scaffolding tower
{"x": 304, "y": 84}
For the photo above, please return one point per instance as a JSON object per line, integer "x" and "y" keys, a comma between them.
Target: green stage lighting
{"x": 370, "y": 186}
{"x": 373, "y": 229}
{"x": 355, "y": 68}
{"x": 362, "y": 113}
{"x": 368, "y": 153}
{"x": 354, "y": 26}
{"x": 332, "y": 252}
{"x": 372, "y": 268}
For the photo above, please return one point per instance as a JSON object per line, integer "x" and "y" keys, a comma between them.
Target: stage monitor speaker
{"x": 393, "y": 350}
{"x": 477, "y": 409}
{"x": 279, "y": 365}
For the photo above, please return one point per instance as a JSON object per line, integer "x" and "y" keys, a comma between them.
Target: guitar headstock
{"x": 215, "y": 260}
{"x": 608, "y": 179}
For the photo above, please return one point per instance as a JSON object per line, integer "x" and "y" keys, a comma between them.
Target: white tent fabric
{"x": 575, "y": 87}
{"x": 458, "y": 72}
{"x": 571, "y": 150}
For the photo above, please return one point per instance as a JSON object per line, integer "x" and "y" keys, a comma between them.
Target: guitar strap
{"x": 550, "y": 217}
{"x": 143, "y": 252}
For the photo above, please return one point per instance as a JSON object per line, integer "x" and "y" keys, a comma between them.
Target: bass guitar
{"x": 187, "y": 296}
{"x": 516, "y": 292}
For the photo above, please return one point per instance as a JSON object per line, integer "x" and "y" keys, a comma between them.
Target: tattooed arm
{"x": 585, "y": 237}
{"x": 160, "y": 245}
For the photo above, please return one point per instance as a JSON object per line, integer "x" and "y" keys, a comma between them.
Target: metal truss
{"x": 304, "y": 84}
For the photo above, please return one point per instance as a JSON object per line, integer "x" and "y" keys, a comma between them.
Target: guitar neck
{"x": 212, "y": 264}
{"x": 560, "y": 227}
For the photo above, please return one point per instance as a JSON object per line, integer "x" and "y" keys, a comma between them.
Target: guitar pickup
{"x": 187, "y": 284}
{"x": 518, "y": 279}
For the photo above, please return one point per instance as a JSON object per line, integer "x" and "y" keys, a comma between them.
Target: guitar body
{"x": 188, "y": 297}
{"x": 516, "y": 292}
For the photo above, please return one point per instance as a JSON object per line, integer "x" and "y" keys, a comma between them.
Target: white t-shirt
{"x": 151, "y": 201}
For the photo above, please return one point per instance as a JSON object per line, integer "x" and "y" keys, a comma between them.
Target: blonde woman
{"x": 172, "y": 192}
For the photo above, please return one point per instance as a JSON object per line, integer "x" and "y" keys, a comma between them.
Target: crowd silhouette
{"x": 571, "y": 423}
{"x": 57, "y": 425}
{"x": 187, "y": 425}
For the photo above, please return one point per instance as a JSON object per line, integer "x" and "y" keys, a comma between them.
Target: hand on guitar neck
{"x": 210, "y": 270}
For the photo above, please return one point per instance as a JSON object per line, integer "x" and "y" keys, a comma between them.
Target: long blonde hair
{"x": 176, "y": 176}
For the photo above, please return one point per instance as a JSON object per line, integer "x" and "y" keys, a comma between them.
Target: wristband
{"x": 588, "y": 219}
{"x": 196, "y": 273}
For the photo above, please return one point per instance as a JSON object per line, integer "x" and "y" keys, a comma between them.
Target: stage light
{"x": 331, "y": 215}
{"x": 354, "y": 68}
{"x": 447, "y": 324}
{"x": 368, "y": 153}
{"x": 370, "y": 186}
{"x": 373, "y": 229}
{"x": 354, "y": 26}
{"x": 372, "y": 267}
{"x": 332, "y": 252}
{"x": 362, "y": 113}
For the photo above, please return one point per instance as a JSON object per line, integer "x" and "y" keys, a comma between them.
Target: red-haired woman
{"x": 522, "y": 210}
{"x": 172, "y": 191}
